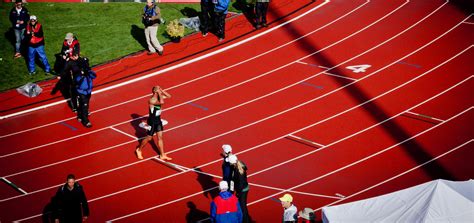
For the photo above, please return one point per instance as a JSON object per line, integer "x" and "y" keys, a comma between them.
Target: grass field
{"x": 106, "y": 31}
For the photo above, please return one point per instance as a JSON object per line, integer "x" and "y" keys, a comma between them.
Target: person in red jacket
{"x": 225, "y": 208}
{"x": 34, "y": 32}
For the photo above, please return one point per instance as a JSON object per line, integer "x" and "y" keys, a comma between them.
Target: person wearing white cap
{"x": 151, "y": 18}
{"x": 307, "y": 215}
{"x": 225, "y": 208}
{"x": 70, "y": 45}
{"x": 34, "y": 32}
{"x": 290, "y": 210}
{"x": 241, "y": 186}
{"x": 226, "y": 168}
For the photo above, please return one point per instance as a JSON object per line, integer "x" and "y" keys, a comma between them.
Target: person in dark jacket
{"x": 83, "y": 82}
{"x": 207, "y": 16}
{"x": 72, "y": 205}
{"x": 70, "y": 45}
{"x": 226, "y": 168}
{"x": 220, "y": 10}
{"x": 261, "y": 8}
{"x": 34, "y": 33}
{"x": 225, "y": 208}
{"x": 241, "y": 186}
{"x": 19, "y": 18}
{"x": 67, "y": 84}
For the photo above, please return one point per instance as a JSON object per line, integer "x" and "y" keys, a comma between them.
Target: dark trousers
{"x": 83, "y": 112}
{"x": 207, "y": 16}
{"x": 220, "y": 24}
{"x": 243, "y": 205}
{"x": 261, "y": 9}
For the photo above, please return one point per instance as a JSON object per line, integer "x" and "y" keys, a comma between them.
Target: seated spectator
{"x": 225, "y": 208}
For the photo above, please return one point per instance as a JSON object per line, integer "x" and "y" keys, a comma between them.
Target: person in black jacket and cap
{"x": 72, "y": 205}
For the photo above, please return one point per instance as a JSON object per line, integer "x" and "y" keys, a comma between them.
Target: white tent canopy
{"x": 434, "y": 201}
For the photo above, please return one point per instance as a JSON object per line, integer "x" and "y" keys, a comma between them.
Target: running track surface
{"x": 336, "y": 101}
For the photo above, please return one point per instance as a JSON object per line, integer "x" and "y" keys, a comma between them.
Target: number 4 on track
{"x": 358, "y": 68}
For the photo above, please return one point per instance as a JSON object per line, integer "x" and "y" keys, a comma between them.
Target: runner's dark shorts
{"x": 156, "y": 126}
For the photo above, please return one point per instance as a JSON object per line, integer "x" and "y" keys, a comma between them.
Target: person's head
{"x": 227, "y": 149}
{"x": 70, "y": 180}
{"x": 69, "y": 38}
{"x": 155, "y": 89}
{"x": 149, "y": 3}
{"x": 223, "y": 186}
{"x": 307, "y": 215}
{"x": 286, "y": 200}
{"x": 232, "y": 159}
{"x": 18, "y": 4}
{"x": 33, "y": 19}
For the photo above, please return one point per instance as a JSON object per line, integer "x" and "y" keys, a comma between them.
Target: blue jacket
{"x": 84, "y": 82}
{"x": 226, "y": 209}
{"x": 222, "y": 6}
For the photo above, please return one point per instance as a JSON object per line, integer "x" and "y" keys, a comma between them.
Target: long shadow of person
{"x": 48, "y": 211}
{"x": 247, "y": 10}
{"x": 10, "y": 36}
{"x": 207, "y": 182}
{"x": 139, "y": 35}
{"x": 195, "y": 215}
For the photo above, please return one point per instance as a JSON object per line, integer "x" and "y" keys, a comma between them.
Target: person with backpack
{"x": 83, "y": 84}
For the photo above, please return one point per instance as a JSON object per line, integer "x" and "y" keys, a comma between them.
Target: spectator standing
{"x": 83, "y": 83}
{"x": 225, "y": 208}
{"x": 151, "y": 19}
{"x": 19, "y": 18}
{"x": 226, "y": 167}
{"x": 207, "y": 16}
{"x": 307, "y": 216}
{"x": 241, "y": 186}
{"x": 72, "y": 205}
{"x": 261, "y": 8}
{"x": 35, "y": 35}
{"x": 67, "y": 78}
{"x": 290, "y": 210}
{"x": 220, "y": 10}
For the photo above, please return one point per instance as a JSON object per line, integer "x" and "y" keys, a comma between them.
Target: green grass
{"x": 106, "y": 31}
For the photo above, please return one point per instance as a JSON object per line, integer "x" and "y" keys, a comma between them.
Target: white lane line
{"x": 185, "y": 103}
{"x": 305, "y": 140}
{"x": 470, "y": 23}
{"x": 399, "y": 175}
{"x": 122, "y": 132}
{"x": 335, "y": 75}
{"x": 199, "y": 78}
{"x": 4, "y": 179}
{"x": 429, "y": 43}
{"x": 425, "y": 116}
{"x": 177, "y": 65}
{"x": 365, "y": 158}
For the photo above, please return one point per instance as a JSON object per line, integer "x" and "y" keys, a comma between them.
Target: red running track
{"x": 402, "y": 120}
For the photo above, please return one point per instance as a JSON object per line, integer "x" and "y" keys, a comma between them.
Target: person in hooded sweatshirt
{"x": 225, "y": 208}
{"x": 71, "y": 202}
